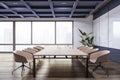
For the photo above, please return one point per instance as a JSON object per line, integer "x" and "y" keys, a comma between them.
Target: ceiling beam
{"x": 92, "y": 0}
{"x": 29, "y": 8}
{"x": 86, "y": 7}
{"x": 73, "y": 8}
{"x": 3, "y": 16}
{"x": 3, "y": 10}
{"x": 51, "y": 7}
{"x": 6, "y": 7}
{"x": 97, "y": 8}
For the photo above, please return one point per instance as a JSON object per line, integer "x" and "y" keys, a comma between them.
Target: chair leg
{"x": 100, "y": 65}
{"x": 27, "y": 67}
{"x": 16, "y": 69}
{"x": 107, "y": 73}
{"x": 30, "y": 65}
{"x": 105, "y": 70}
{"x": 66, "y": 56}
{"x": 23, "y": 69}
{"x": 95, "y": 68}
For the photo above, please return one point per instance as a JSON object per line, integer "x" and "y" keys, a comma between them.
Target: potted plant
{"x": 87, "y": 39}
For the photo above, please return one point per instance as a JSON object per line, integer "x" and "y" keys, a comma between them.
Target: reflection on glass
{"x": 6, "y": 32}
{"x": 23, "y": 32}
{"x": 43, "y": 32}
{"x": 64, "y": 32}
{"x": 6, "y": 48}
{"x": 22, "y": 47}
{"x": 116, "y": 34}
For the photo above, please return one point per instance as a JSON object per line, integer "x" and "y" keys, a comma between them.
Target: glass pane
{"x": 23, "y": 32}
{"x": 6, "y": 48}
{"x": 116, "y": 34}
{"x": 64, "y": 32}
{"x": 43, "y": 32}
{"x": 22, "y": 47}
{"x": 6, "y": 32}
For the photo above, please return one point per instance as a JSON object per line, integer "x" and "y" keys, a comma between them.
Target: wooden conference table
{"x": 57, "y": 53}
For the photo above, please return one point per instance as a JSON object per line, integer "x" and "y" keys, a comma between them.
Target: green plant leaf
{"x": 83, "y": 42}
{"x": 92, "y": 38}
{"x": 87, "y": 40}
{"x": 83, "y": 33}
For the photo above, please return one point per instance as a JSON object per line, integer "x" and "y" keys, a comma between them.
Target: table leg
{"x": 87, "y": 59}
{"x": 34, "y": 71}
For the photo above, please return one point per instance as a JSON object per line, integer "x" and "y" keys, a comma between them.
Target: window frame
{"x": 14, "y": 32}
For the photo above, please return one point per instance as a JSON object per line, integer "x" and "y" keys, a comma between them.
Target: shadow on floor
{"x": 75, "y": 70}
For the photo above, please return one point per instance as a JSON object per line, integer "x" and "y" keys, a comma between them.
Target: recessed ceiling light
{"x": 63, "y": 3}
{"x": 63, "y": 8}
{"x": 19, "y": 8}
{"x": 15, "y": 3}
{"x": 30, "y": 17}
{"x": 62, "y": 17}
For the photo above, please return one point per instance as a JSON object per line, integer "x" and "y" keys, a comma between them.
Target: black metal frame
{"x": 72, "y": 57}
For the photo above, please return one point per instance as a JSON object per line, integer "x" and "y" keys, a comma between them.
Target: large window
{"x": 116, "y": 35}
{"x": 6, "y": 32}
{"x": 64, "y": 32}
{"x": 23, "y": 32}
{"x": 43, "y": 32}
{"x": 21, "y": 47}
{"x": 6, "y": 36}
{"x": 19, "y": 35}
{"x": 6, "y": 48}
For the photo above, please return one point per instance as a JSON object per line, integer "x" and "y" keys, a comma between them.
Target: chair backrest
{"x": 82, "y": 47}
{"x": 99, "y": 56}
{"x": 88, "y": 50}
{"x": 30, "y": 50}
{"x": 38, "y": 47}
{"x": 22, "y": 57}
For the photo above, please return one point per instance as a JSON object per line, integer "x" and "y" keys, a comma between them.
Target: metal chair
{"x": 88, "y": 51}
{"x": 22, "y": 57}
{"x": 99, "y": 58}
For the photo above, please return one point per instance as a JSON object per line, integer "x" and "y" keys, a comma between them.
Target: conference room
{"x": 59, "y": 39}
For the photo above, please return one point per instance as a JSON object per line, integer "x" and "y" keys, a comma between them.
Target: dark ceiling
{"x": 48, "y": 8}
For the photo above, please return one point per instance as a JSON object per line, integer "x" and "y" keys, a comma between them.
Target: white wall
{"x": 96, "y": 32}
{"x": 83, "y": 24}
{"x": 104, "y": 31}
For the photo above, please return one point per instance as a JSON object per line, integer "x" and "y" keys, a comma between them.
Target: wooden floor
{"x": 54, "y": 69}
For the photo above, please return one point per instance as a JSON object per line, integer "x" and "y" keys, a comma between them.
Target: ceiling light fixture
{"x": 63, "y": 8}
{"x": 63, "y": 3}
{"x": 19, "y": 8}
{"x": 15, "y": 3}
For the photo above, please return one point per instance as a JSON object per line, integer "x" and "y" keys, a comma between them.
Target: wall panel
{"x": 96, "y": 31}
{"x": 104, "y": 30}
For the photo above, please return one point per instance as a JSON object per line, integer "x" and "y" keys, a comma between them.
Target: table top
{"x": 60, "y": 52}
